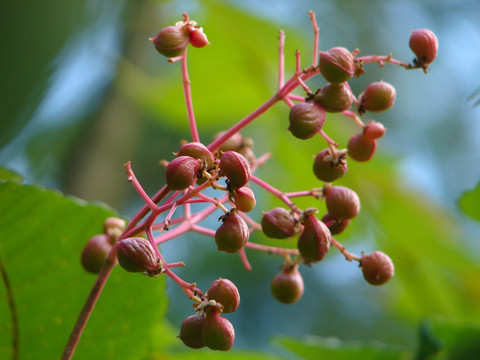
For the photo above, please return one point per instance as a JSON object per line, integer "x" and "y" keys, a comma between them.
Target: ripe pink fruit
{"x": 327, "y": 167}
{"x": 334, "y": 97}
{"x": 191, "y": 331}
{"x": 171, "y": 41}
{"x": 314, "y": 241}
{"x": 424, "y": 45}
{"x": 342, "y": 202}
{"x": 377, "y": 268}
{"x": 361, "y": 148}
{"x": 335, "y": 226}
{"x": 225, "y": 292}
{"x": 306, "y": 119}
{"x": 198, "y": 39}
{"x": 182, "y": 172}
{"x": 374, "y": 130}
{"x": 377, "y": 97}
{"x": 233, "y": 234}
{"x": 244, "y": 199}
{"x": 236, "y": 168}
{"x": 136, "y": 254}
{"x": 217, "y": 332}
{"x": 95, "y": 252}
{"x": 337, "y": 65}
{"x": 287, "y": 286}
{"x": 278, "y": 223}
{"x": 197, "y": 150}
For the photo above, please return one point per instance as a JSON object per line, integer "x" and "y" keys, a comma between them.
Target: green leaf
{"x": 334, "y": 349}
{"x": 9, "y": 175}
{"x": 469, "y": 203}
{"x": 42, "y": 234}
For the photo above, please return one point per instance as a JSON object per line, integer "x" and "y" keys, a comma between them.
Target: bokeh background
{"x": 83, "y": 91}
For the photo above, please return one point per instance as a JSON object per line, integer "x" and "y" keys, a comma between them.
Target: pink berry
{"x": 374, "y": 130}
{"x": 424, "y": 45}
{"x": 233, "y": 234}
{"x": 335, "y": 226}
{"x": 217, "y": 332}
{"x": 182, "y": 172}
{"x": 197, "y": 150}
{"x": 377, "y": 97}
{"x": 236, "y": 168}
{"x": 361, "y": 148}
{"x": 171, "y": 41}
{"x": 278, "y": 223}
{"x": 287, "y": 286}
{"x": 95, "y": 253}
{"x": 191, "y": 331}
{"x": 342, "y": 202}
{"x": 337, "y": 65}
{"x": 306, "y": 119}
{"x": 334, "y": 97}
{"x": 244, "y": 199}
{"x": 314, "y": 241}
{"x": 198, "y": 39}
{"x": 377, "y": 268}
{"x": 329, "y": 168}
{"x": 136, "y": 254}
{"x": 225, "y": 292}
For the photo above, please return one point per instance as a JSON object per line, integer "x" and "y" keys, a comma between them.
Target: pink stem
{"x": 275, "y": 192}
{"x": 245, "y": 261}
{"x": 133, "y": 179}
{"x": 289, "y": 102}
{"x": 354, "y": 116}
{"x": 298, "y": 65}
{"x": 271, "y": 249}
{"x": 381, "y": 59}
{"x": 348, "y": 256}
{"x": 295, "y": 97}
{"x": 316, "y": 32}
{"x": 281, "y": 60}
{"x": 203, "y": 230}
{"x": 188, "y": 99}
{"x": 313, "y": 193}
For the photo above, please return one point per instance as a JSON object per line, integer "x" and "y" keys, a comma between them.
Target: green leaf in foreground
{"x": 469, "y": 203}
{"x": 334, "y": 349}
{"x": 9, "y": 175}
{"x": 42, "y": 234}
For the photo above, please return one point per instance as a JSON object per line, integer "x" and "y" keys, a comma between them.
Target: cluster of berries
{"x": 229, "y": 156}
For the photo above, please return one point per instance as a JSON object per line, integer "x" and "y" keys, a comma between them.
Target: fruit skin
{"x": 377, "y": 268}
{"x": 334, "y": 97}
{"x": 236, "y": 142}
{"x": 374, "y": 130}
{"x": 361, "y": 148}
{"x": 244, "y": 199}
{"x": 287, "y": 286}
{"x": 306, "y": 119}
{"x": 182, "y": 172}
{"x": 217, "y": 332}
{"x": 225, "y": 292}
{"x": 191, "y": 331}
{"x": 337, "y": 65}
{"x": 337, "y": 226}
{"x": 171, "y": 41}
{"x": 327, "y": 168}
{"x": 424, "y": 45}
{"x": 233, "y": 234}
{"x": 314, "y": 241}
{"x": 198, "y": 39}
{"x": 236, "y": 168}
{"x": 136, "y": 254}
{"x": 377, "y": 97}
{"x": 95, "y": 252}
{"x": 197, "y": 150}
{"x": 278, "y": 223}
{"x": 342, "y": 202}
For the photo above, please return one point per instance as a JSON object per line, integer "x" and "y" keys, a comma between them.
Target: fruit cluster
{"x": 228, "y": 164}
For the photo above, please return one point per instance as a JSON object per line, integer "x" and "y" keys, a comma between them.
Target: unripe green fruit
{"x": 95, "y": 252}
{"x": 328, "y": 168}
{"x": 244, "y": 199}
{"x": 335, "y": 226}
{"x": 191, "y": 331}
{"x": 287, "y": 287}
{"x": 334, "y": 97}
{"x": 136, "y": 254}
{"x": 337, "y": 65}
{"x": 182, "y": 172}
{"x": 217, "y": 332}
{"x": 225, "y": 292}
{"x": 306, "y": 119}
{"x": 314, "y": 241}
{"x": 377, "y": 268}
{"x": 424, "y": 45}
{"x": 236, "y": 168}
{"x": 342, "y": 202}
{"x": 171, "y": 41}
{"x": 197, "y": 150}
{"x": 233, "y": 234}
{"x": 361, "y": 148}
{"x": 377, "y": 97}
{"x": 278, "y": 223}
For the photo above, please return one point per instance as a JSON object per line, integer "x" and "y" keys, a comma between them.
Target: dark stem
{"x": 13, "y": 313}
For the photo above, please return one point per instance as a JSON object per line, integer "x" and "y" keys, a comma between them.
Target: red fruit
{"x": 198, "y": 39}
{"x": 374, "y": 130}
{"x": 377, "y": 268}
{"x": 233, "y": 234}
{"x": 236, "y": 168}
{"x": 306, "y": 119}
{"x": 182, "y": 172}
{"x": 377, "y": 97}
{"x": 136, "y": 254}
{"x": 342, "y": 202}
{"x": 197, "y": 150}
{"x": 314, "y": 241}
{"x": 95, "y": 253}
{"x": 278, "y": 223}
{"x": 334, "y": 97}
{"x": 225, "y": 292}
{"x": 424, "y": 45}
{"x": 327, "y": 167}
{"x": 335, "y": 226}
{"x": 361, "y": 148}
{"x": 287, "y": 287}
{"x": 191, "y": 331}
{"x": 337, "y": 65}
{"x": 217, "y": 332}
{"x": 171, "y": 41}
{"x": 244, "y": 199}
